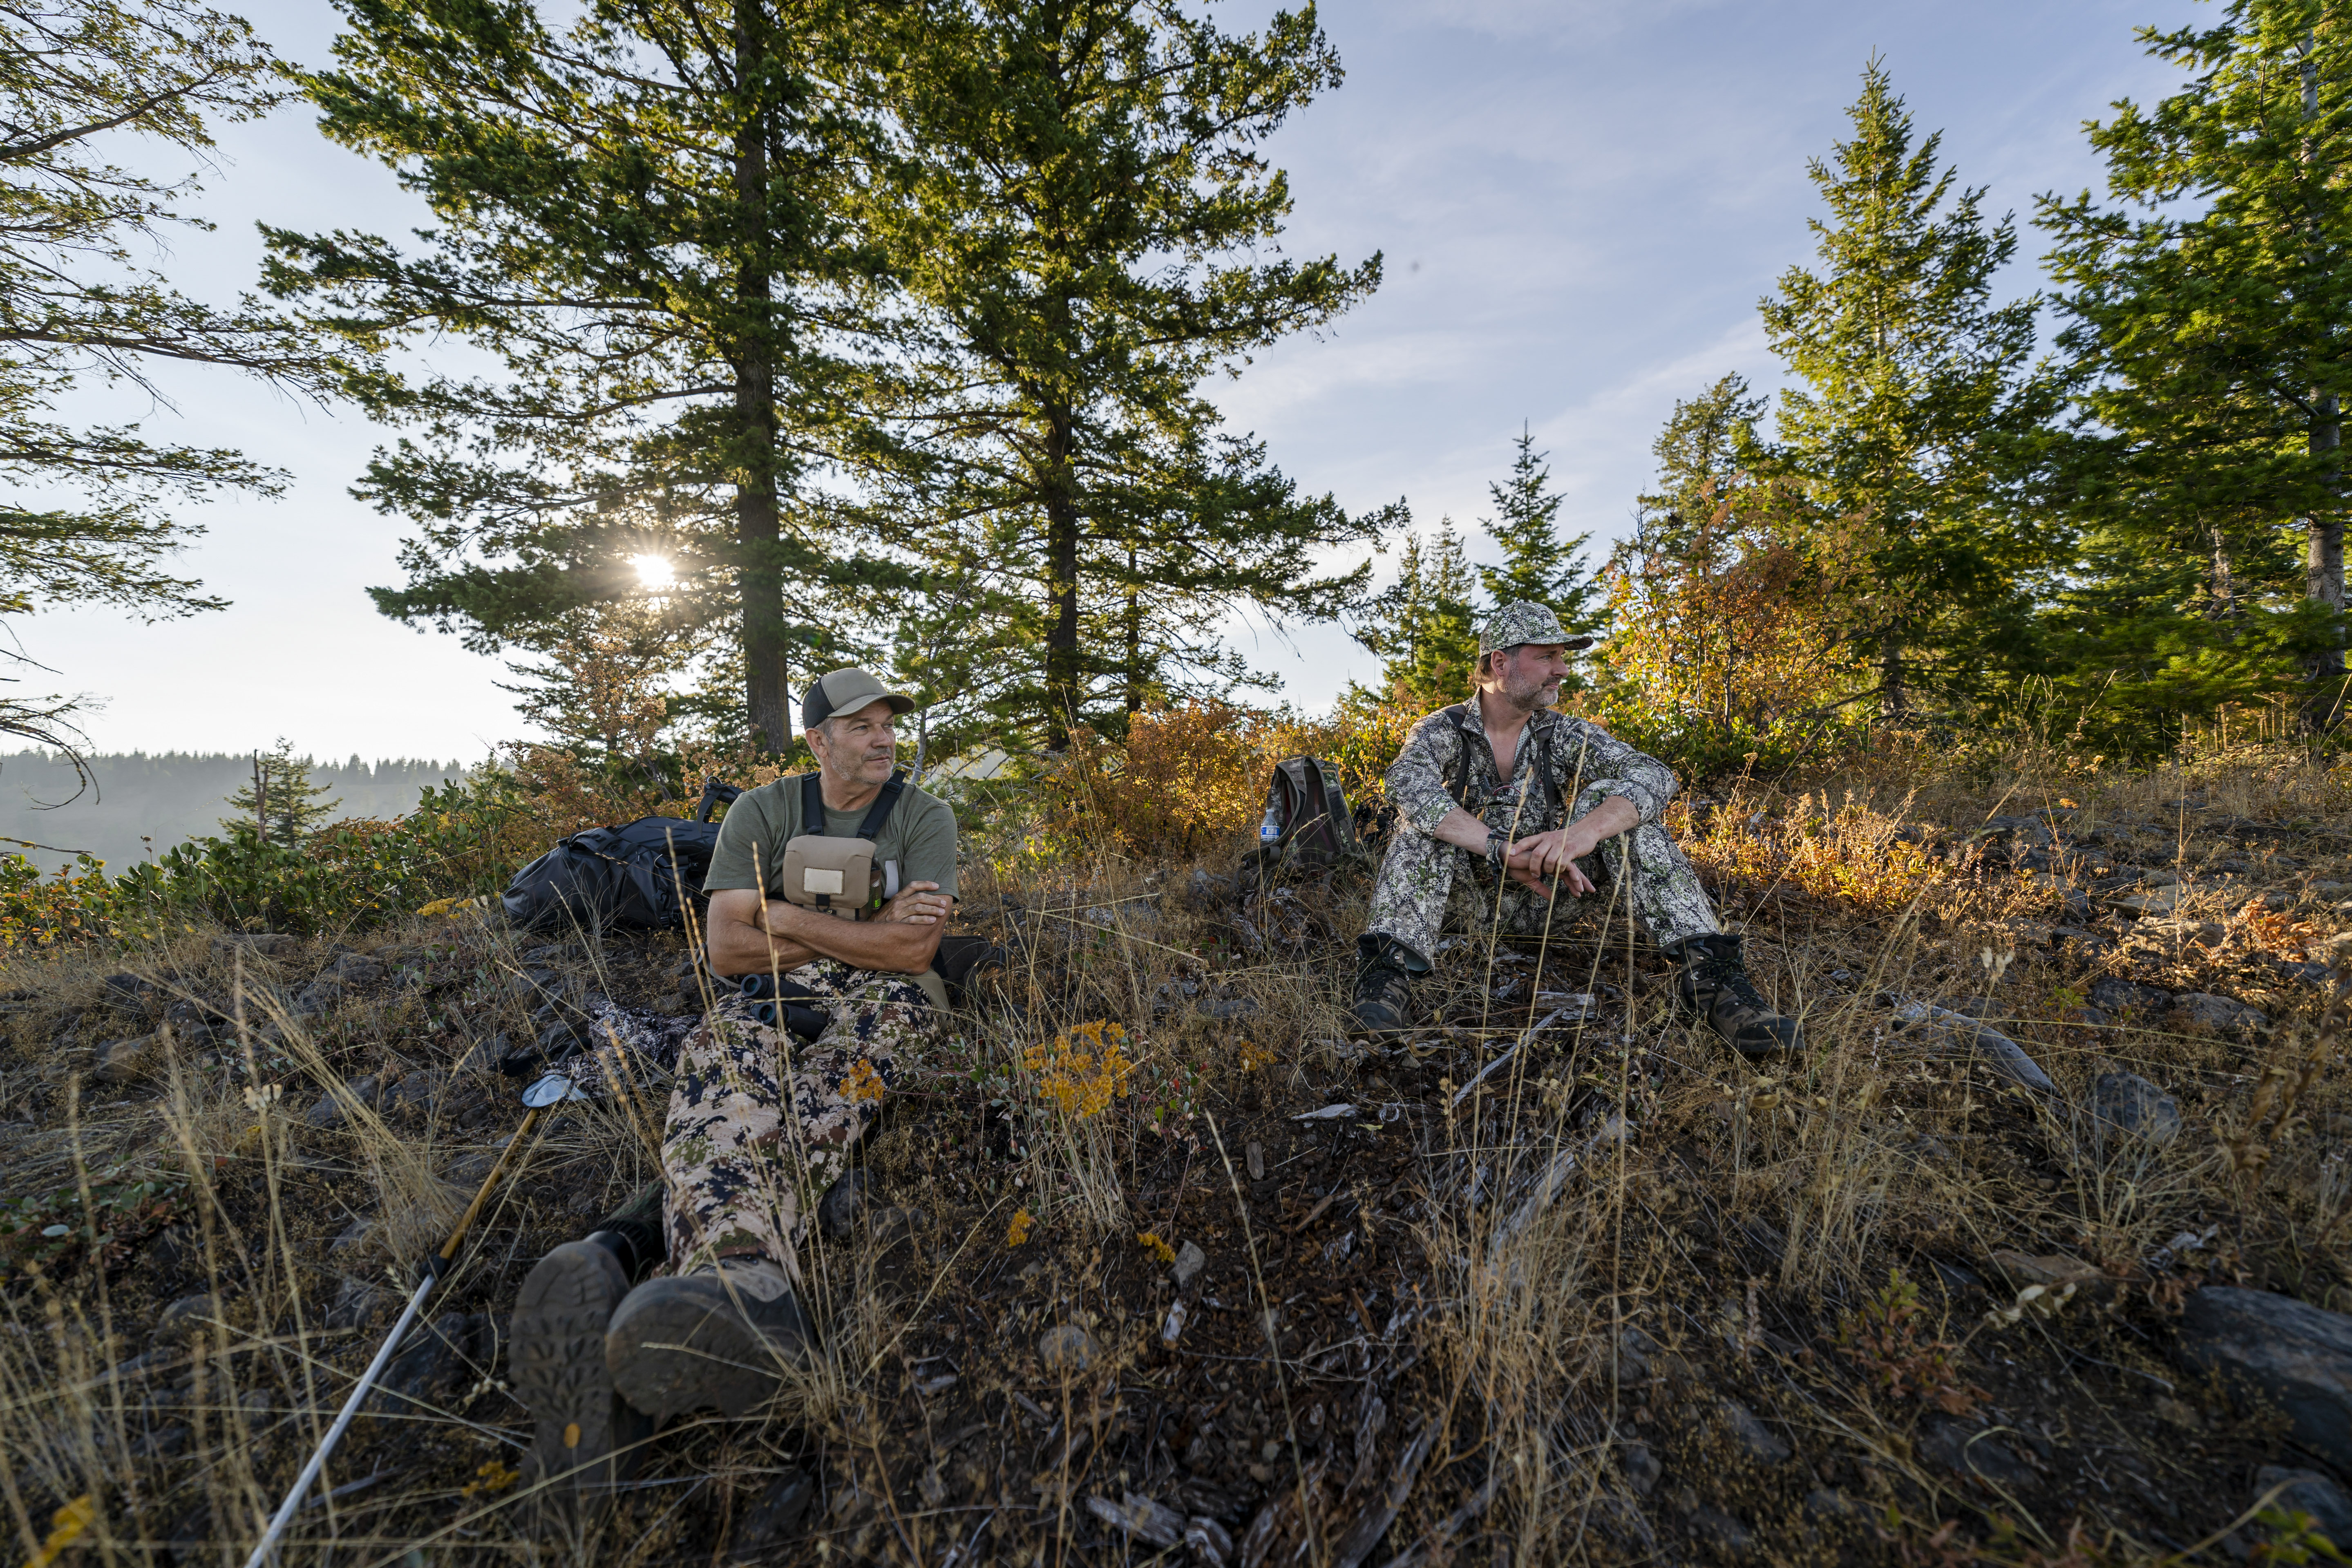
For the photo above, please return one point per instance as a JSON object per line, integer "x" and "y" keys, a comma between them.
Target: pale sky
{"x": 1580, "y": 203}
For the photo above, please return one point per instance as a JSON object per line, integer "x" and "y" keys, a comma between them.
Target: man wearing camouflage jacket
{"x": 1572, "y": 829}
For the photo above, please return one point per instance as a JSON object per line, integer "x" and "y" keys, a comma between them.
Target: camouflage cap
{"x": 1523, "y": 621}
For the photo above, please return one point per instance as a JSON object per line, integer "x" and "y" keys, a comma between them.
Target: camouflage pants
{"x": 736, "y": 1156}
{"x": 1427, "y": 886}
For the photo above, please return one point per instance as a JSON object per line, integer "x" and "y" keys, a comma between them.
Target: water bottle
{"x": 1271, "y": 828}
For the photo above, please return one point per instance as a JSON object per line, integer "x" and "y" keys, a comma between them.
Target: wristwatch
{"x": 1498, "y": 849}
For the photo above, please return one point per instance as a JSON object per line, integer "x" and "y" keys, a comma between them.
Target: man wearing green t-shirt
{"x": 758, "y": 1118}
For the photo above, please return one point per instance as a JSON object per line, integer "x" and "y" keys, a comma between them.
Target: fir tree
{"x": 602, "y": 689}
{"x": 1424, "y": 625}
{"x": 1085, "y": 227}
{"x": 281, "y": 804}
{"x": 1706, "y": 444}
{"x": 1538, "y": 565}
{"x": 639, "y": 217}
{"x": 75, "y": 307}
{"x": 1918, "y": 393}
{"x": 2209, "y": 311}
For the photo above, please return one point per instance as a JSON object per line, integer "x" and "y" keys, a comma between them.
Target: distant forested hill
{"x": 173, "y": 796}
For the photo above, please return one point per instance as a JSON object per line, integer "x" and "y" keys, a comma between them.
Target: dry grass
{"x": 1513, "y": 1317}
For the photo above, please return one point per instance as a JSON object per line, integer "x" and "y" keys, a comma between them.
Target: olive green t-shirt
{"x": 920, "y": 838}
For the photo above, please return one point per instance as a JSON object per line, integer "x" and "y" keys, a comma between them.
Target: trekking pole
{"x": 549, "y": 1090}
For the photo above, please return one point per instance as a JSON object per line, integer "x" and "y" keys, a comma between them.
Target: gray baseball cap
{"x": 1523, "y": 621}
{"x": 845, "y": 690}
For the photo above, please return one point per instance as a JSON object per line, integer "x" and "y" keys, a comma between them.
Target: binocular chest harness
{"x": 836, "y": 875}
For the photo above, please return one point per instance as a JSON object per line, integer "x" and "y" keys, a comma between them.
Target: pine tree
{"x": 1085, "y": 227}
{"x": 2209, "y": 310}
{"x": 639, "y": 217}
{"x": 1918, "y": 394}
{"x": 281, "y": 805}
{"x": 1424, "y": 625}
{"x": 602, "y": 688}
{"x": 1538, "y": 565}
{"x": 1706, "y": 444}
{"x": 76, "y": 80}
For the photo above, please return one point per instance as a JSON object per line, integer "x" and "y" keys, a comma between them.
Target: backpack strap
{"x": 1463, "y": 732}
{"x": 880, "y": 812}
{"x": 812, "y": 805}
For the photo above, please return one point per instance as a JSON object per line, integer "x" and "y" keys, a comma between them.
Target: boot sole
{"x": 670, "y": 1354}
{"x": 584, "y": 1438}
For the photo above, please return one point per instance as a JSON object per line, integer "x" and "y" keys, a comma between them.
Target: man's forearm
{"x": 1462, "y": 831}
{"x": 891, "y": 946}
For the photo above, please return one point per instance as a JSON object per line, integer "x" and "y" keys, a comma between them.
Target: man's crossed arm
{"x": 1539, "y": 859}
{"x": 745, "y": 936}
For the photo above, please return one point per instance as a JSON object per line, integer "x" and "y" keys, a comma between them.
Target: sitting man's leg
{"x": 1408, "y": 910}
{"x": 756, "y": 1121}
{"x": 1667, "y": 903}
{"x": 1425, "y": 887}
{"x": 585, "y": 1438}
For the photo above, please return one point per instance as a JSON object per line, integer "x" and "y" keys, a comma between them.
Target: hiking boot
{"x": 1383, "y": 985}
{"x": 711, "y": 1337}
{"x": 1714, "y": 983}
{"x": 585, "y": 1437}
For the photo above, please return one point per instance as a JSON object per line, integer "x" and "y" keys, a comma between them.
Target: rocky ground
{"x": 2036, "y": 1256}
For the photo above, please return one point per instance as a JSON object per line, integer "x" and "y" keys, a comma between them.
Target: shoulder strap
{"x": 812, "y": 805}
{"x": 1463, "y": 731}
{"x": 880, "y": 812}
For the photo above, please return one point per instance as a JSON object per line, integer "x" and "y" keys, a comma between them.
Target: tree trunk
{"x": 1133, "y": 627}
{"x": 759, "y": 579}
{"x": 2224, "y": 597}
{"x": 1064, "y": 688}
{"x": 2323, "y": 532}
{"x": 1894, "y": 702}
{"x": 2323, "y": 566}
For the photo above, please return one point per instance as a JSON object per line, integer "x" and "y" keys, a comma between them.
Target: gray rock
{"x": 1212, "y": 1542}
{"x": 1190, "y": 1261}
{"x": 1153, "y": 1522}
{"x": 357, "y": 1302}
{"x": 129, "y": 1061}
{"x": 328, "y": 1112}
{"x": 846, "y": 1203}
{"x": 773, "y": 1519}
{"x": 2308, "y": 1491}
{"x": 1067, "y": 1348}
{"x": 1759, "y": 1441}
{"x": 2219, "y": 1014}
{"x": 1964, "y": 1453}
{"x": 2125, "y": 996}
{"x": 2128, "y": 1103}
{"x": 2275, "y": 1350}
{"x": 356, "y": 969}
{"x": 1718, "y": 1528}
{"x": 266, "y": 944}
{"x": 417, "y": 1091}
{"x": 1227, "y": 1009}
{"x": 1641, "y": 1468}
{"x": 432, "y": 1365}
{"x": 186, "y": 1316}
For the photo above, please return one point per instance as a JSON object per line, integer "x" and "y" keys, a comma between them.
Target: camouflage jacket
{"x": 1585, "y": 765}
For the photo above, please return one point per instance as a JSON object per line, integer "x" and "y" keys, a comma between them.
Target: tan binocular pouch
{"x": 835, "y": 875}
{"x": 841, "y": 877}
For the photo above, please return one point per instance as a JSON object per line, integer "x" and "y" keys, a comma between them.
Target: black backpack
{"x": 638, "y": 875}
{"x": 1306, "y": 826}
